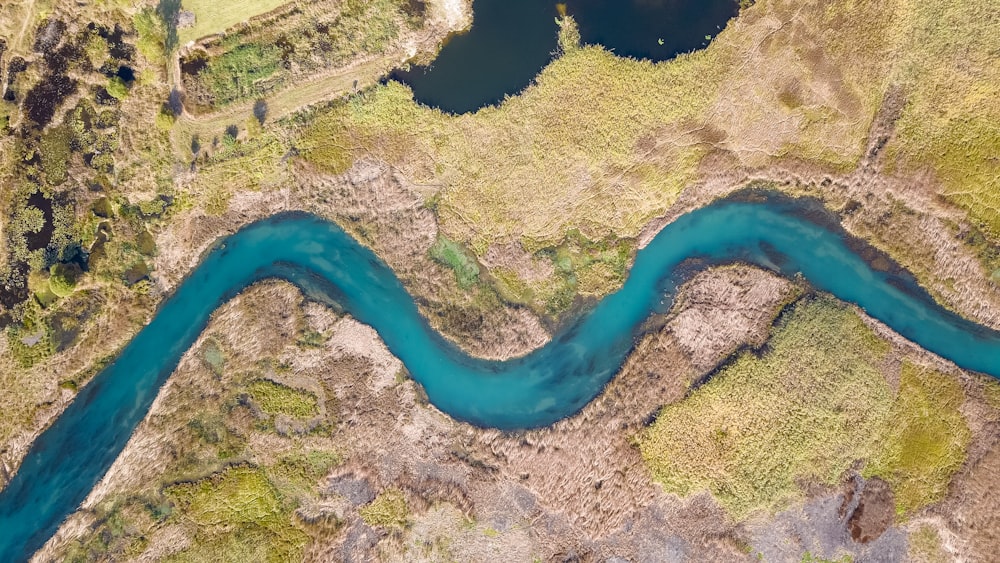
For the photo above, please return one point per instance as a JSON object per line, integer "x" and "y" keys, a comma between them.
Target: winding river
{"x": 785, "y": 235}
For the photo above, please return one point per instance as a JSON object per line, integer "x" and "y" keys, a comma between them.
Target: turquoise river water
{"x": 553, "y": 382}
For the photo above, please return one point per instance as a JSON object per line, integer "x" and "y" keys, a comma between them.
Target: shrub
{"x": 63, "y": 278}
{"x": 117, "y": 88}
{"x": 388, "y": 510}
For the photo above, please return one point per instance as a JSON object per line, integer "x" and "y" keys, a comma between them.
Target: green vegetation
{"x": 807, "y": 410}
{"x": 926, "y": 442}
{"x": 62, "y": 278}
{"x": 31, "y": 342}
{"x": 38, "y": 284}
{"x": 252, "y": 61}
{"x": 582, "y": 267}
{"x": 991, "y": 393}
{"x": 388, "y": 510}
{"x": 115, "y": 537}
{"x": 152, "y": 35}
{"x": 240, "y": 517}
{"x": 295, "y": 475}
{"x": 250, "y": 164}
{"x": 951, "y": 121}
{"x": 454, "y": 256}
{"x": 274, "y": 398}
{"x": 216, "y": 17}
{"x": 638, "y": 131}
{"x": 238, "y": 73}
{"x": 116, "y": 88}
{"x": 54, "y": 150}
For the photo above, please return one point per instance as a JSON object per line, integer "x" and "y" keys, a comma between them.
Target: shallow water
{"x": 536, "y": 390}
{"x": 512, "y": 40}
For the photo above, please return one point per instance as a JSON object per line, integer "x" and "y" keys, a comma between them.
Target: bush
{"x": 63, "y": 278}
{"x": 388, "y": 510}
{"x": 117, "y": 88}
{"x": 165, "y": 119}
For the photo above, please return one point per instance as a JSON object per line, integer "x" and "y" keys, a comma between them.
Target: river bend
{"x": 551, "y": 383}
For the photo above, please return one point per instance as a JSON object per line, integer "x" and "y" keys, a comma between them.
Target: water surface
{"x": 553, "y": 382}
{"x": 512, "y": 40}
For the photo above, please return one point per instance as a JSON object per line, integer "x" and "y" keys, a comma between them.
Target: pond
{"x": 512, "y": 40}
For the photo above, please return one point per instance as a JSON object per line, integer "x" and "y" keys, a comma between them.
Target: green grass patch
{"x": 274, "y": 398}
{"x": 54, "y": 151}
{"x": 235, "y": 75}
{"x": 809, "y": 408}
{"x": 240, "y": 517}
{"x": 296, "y": 475}
{"x": 215, "y": 17}
{"x": 388, "y": 510}
{"x": 456, "y": 257}
{"x": 951, "y": 121}
{"x": 927, "y": 440}
{"x": 152, "y": 35}
{"x": 31, "y": 341}
{"x": 246, "y": 165}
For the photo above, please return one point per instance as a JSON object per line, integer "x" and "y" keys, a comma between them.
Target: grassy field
{"x": 388, "y": 510}
{"x": 637, "y": 132}
{"x": 216, "y": 17}
{"x": 926, "y": 442}
{"x": 951, "y": 122}
{"x": 241, "y": 518}
{"x": 807, "y": 409}
{"x": 274, "y": 398}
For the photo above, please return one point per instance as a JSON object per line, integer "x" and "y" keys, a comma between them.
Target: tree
{"x": 260, "y": 110}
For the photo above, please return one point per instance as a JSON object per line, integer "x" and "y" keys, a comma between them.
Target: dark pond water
{"x": 512, "y": 40}
{"x": 553, "y": 382}
{"x": 651, "y": 29}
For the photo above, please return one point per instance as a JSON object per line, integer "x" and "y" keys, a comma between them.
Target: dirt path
{"x": 24, "y": 25}
{"x": 280, "y": 104}
{"x": 15, "y": 45}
